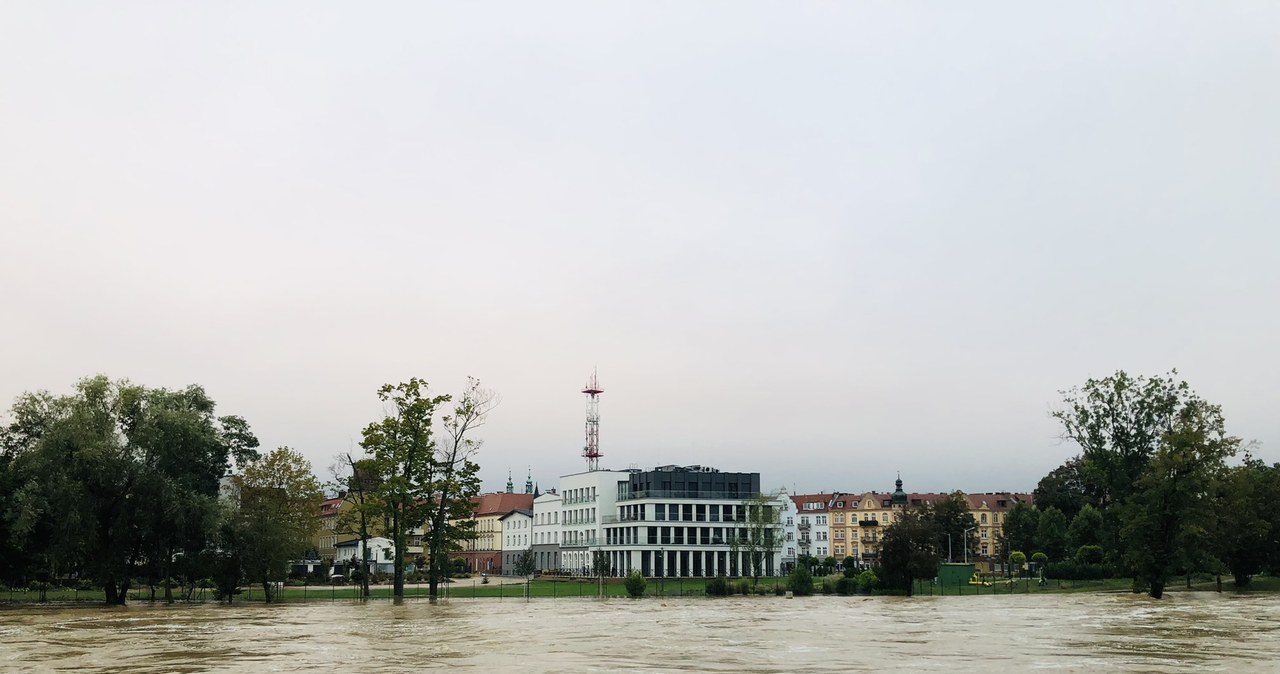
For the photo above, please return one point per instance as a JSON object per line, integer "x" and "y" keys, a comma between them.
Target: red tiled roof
{"x": 501, "y": 503}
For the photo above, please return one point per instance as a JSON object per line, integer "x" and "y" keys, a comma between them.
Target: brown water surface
{"x": 1191, "y": 632}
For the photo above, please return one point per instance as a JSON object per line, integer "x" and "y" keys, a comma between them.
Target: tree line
{"x": 1154, "y": 493}
{"x": 117, "y": 485}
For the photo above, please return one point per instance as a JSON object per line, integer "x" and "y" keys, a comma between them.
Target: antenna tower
{"x": 591, "y": 450}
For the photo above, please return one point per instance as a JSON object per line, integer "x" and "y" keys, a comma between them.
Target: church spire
{"x": 511, "y": 487}
{"x": 528, "y": 482}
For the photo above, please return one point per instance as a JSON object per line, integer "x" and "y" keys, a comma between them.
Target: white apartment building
{"x": 546, "y": 531}
{"x": 517, "y": 534}
{"x": 584, "y": 499}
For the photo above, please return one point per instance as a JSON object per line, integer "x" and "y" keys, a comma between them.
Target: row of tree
{"x": 1153, "y": 495}
{"x": 1155, "y": 486}
{"x": 411, "y": 477}
{"x": 117, "y": 483}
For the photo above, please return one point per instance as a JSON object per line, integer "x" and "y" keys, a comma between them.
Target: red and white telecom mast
{"x": 591, "y": 451}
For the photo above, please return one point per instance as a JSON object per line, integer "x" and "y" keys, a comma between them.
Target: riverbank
{"x": 508, "y": 588}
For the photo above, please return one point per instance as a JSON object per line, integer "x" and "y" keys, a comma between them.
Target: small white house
{"x": 382, "y": 555}
{"x": 517, "y": 536}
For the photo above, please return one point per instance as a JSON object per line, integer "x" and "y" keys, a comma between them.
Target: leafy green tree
{"x": 402, "y": 447}
{"x": 909, "y": 550}
{"x": 1085, "y": 529}
{"x": 115, "y": 476}
{"x": 1119, "y": 421}
{"x": 359, "y": 480}
{"x": 525, "y": 565}
{"x": 1168, "y": 519}
{"x": 278, "y": 514}
{"x": 1019, "y": 531}
{"x": 1245, "y": 534}
{"x": 1017, "y": 561}
{"x": 456, "y": 479}
{"x": 1065, "y": 488}
{"x": 1051, "y": 533}
{"x": 950, "y": 517}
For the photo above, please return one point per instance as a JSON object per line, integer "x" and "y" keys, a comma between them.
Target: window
{"x": 984, "y": 518}
{"x": 822, "y": 520}
{"x": 884, "y": 517}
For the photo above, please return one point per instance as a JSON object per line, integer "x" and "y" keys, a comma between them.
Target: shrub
{"x": 742, "y": 587}
{"x": 846, "y": 586}
{"x": 87, "y": 585}
{"x": 1039, "y": 559}
{"x": 1089, "y": 554}
{"x": 868, "y": 582}
{"x": 779, "y": 589}
{"x": 828, "y": 586}
{"x": 718, "y": 587}
{"x": 635, "y": 584}
{"x": 801, "y": 581}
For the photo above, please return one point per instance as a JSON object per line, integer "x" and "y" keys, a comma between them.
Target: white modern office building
{"x": 681, "y": 521}
{"x": 584, "y": 499}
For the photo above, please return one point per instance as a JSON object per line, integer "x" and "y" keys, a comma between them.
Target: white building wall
{"x": 585, "y": 498}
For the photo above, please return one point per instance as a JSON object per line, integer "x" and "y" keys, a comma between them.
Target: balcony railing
{"x": 869, "y": 523}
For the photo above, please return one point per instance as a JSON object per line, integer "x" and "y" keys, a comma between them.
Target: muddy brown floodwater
{"x": 1190, "y": 632}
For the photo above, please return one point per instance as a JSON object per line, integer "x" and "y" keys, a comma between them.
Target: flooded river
{"x": 1194, "y": 632}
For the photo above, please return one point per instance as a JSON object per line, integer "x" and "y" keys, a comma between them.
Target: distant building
{"x": 680, "y": 521}
{"x": 546, "y": 531}
{"x": 517, "y": 530}
{"x": 483, "y": 552}
{"x": 382, "y": 556}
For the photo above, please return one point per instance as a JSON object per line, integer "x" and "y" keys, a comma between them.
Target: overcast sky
{"x": 825, "y": 241}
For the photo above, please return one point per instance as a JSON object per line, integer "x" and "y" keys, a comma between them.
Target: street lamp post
{"x": 966, "y": 543}
{"x": 662, "y": 577}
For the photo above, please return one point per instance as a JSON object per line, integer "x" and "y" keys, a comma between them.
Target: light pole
{"x": 966, "y": 543}
{"x": 949, "y": 547}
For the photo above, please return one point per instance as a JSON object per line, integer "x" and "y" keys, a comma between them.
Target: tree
{"x": 1065, "y": 488}
{"x": 1019, "y": 531}
{"x": 1168, "y": 519}
{"x": 757, "y": 541}
{"x": 909, "y": 550}
{"x": 1119, "y": 421}
{"x": 525, "y": 566}
{"x": 600, "y": 567}
{"x": 402, "y": 447}
{"x": 1085, "y": 529}
{"x": 1051, "y": 534}
{"x": 278, "y": 514}
{"x": 1017, "y": 560}
{"x": 359, "y": 481}
{"x": 1246, "y": 532}
{"x": 114, "y": 476}
{"x": 950, "y": 516}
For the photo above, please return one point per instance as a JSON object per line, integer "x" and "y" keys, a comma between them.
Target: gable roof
{"x": 500, "y": 503}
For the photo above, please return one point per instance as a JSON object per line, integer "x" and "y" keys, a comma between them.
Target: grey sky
{"x": 825, "y": 241}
